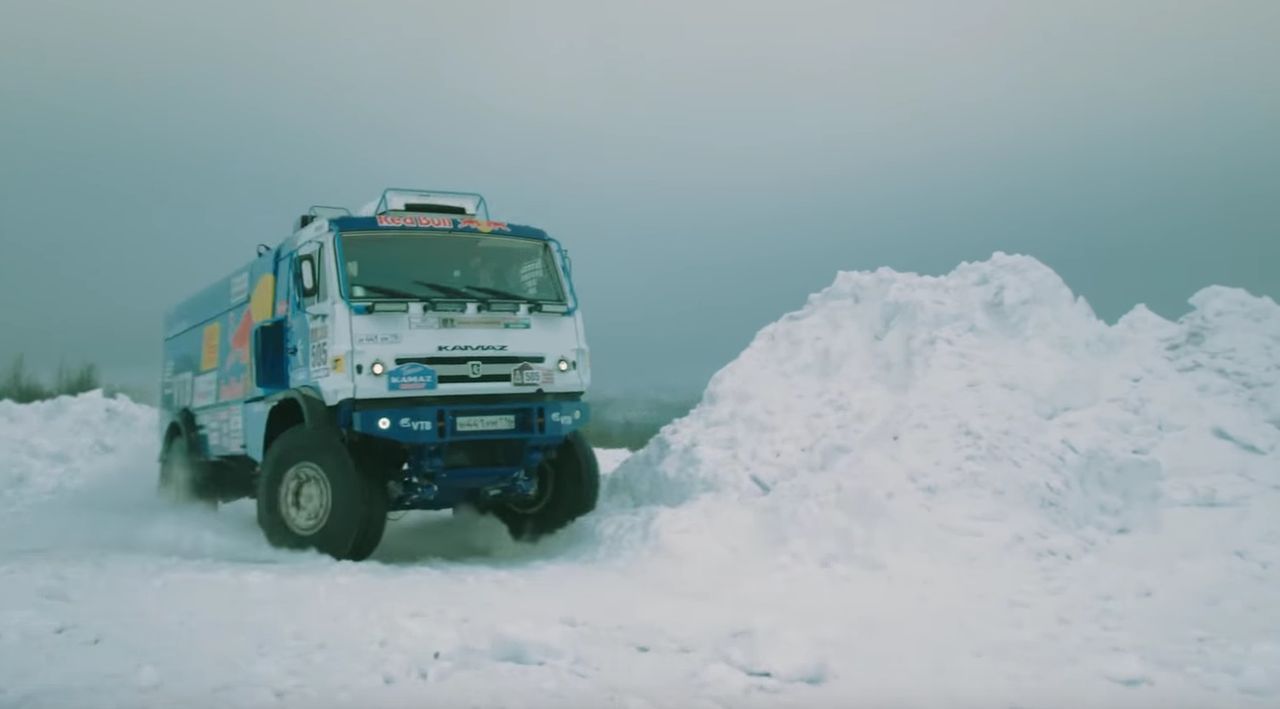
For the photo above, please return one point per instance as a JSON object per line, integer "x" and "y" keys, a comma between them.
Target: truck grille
{"x": 478, "y": 369}
{"x": 468, "y": 379}
{"x": 465, "y": 360}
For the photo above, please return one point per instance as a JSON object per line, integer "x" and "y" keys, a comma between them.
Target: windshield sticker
{"x": 416, "y": 221}
{"x": 411, "y": 377}
{"x": 384, "y": 338}
{"x": 433, "y": 322}
{"x": 484, "y": 226}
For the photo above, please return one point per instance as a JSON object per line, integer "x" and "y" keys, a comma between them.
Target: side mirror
{"x": 310, "y": 285}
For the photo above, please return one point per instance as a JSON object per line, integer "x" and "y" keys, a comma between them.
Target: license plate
{"x": 499, "y": 422}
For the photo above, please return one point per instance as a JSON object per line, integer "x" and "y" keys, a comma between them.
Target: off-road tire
{"x": 375, "y": 522}
{"x": 350, "y": 521}
{"x": 184, "y": 479}
{"x": 573, "y": 477}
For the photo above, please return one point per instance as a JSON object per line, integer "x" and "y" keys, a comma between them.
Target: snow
{"x": 913, "y": 491}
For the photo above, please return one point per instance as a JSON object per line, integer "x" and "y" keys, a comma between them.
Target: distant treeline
{"x": 20, "y": 385}
{"x": 629, "y": 421}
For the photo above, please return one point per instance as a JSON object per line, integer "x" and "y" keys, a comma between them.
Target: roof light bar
{"x": 406, "y": 200}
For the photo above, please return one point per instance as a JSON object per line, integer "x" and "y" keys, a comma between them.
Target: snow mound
{"x": 66, "y": 443}
{"x": 977, "y": 460}
{"x": 990, "y": 400}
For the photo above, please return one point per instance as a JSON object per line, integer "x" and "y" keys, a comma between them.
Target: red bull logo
{"x": 416, "y": 221}
{"x": 484, "y": 226}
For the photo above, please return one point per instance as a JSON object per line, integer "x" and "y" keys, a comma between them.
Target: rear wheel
{"x": 310, "y": 495}
{"x": 183, "y": 478}
{"x": 568, "y": 485}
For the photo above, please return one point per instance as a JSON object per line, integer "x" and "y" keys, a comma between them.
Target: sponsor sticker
{"x": 415, "y": 424}
{"x": 526, "y": 375}
{"x": 471, "y": 348}
{"x": 319, "y": 351}
{"x": 421, "y": 221}
{"x": 180, "y": 390}
{"x": 209, "y": 341}
{"x": 234, "y": 388}
{"x": 484, "y": 226}
{"x": 204, "y": 389}
{"x": 235, "y": 430}
{"x": 412, "y": 377}
{"x": 239, "y": 287}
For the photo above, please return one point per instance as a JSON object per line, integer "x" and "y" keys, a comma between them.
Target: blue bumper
{"x": 542, "y": 423}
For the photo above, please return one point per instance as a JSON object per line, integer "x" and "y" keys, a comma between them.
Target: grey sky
{"x": 708, "y": 165}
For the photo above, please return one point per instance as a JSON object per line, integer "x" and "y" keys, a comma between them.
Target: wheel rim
{"x": 305, "y": 498}
{"x": 541, "y": 494}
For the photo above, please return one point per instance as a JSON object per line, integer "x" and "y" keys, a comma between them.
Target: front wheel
{"x": 568, "y": 484}
{"x": 310, "y": 495}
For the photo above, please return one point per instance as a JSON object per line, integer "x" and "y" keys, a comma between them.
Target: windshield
{"x": 434, "y": 265}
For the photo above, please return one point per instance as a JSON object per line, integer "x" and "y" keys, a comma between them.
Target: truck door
{"x": 288, "y": 306}
{"x": 312, "y": 320}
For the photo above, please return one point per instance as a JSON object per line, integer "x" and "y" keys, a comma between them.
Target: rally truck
{"x": 416, "y": 355}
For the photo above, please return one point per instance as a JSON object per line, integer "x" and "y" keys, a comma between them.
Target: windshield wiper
{"x": 447, "y": 290}
{"x": 393, "y": 292}
{"x": 497, "y": 293}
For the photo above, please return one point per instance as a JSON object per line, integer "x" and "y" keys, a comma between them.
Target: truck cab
{"x": 418, "y": 355}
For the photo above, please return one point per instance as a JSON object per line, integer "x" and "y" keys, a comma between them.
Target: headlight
{"x": 377, "y": 368}
{"x": 563, "y": 365}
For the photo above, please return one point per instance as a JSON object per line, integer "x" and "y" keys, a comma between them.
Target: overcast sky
{"x": 707, "y": 164}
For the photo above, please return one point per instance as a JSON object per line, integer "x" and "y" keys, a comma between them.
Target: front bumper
{"x": 439, "y": 423}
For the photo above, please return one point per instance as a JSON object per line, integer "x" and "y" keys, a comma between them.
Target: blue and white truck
{"x": 418, "y": 355}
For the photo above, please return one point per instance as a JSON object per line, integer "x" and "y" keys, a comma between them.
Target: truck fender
{"x": 182, "y": 424}
{"x": 300, "y": 405}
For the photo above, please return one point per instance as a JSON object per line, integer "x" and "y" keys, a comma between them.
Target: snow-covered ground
{"x": 914, "y": 491}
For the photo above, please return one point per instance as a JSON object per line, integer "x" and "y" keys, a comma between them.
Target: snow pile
{"x": 65, "y": 443}
{"x": 990, "y": 399}
{"x": 982, "y": 463}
